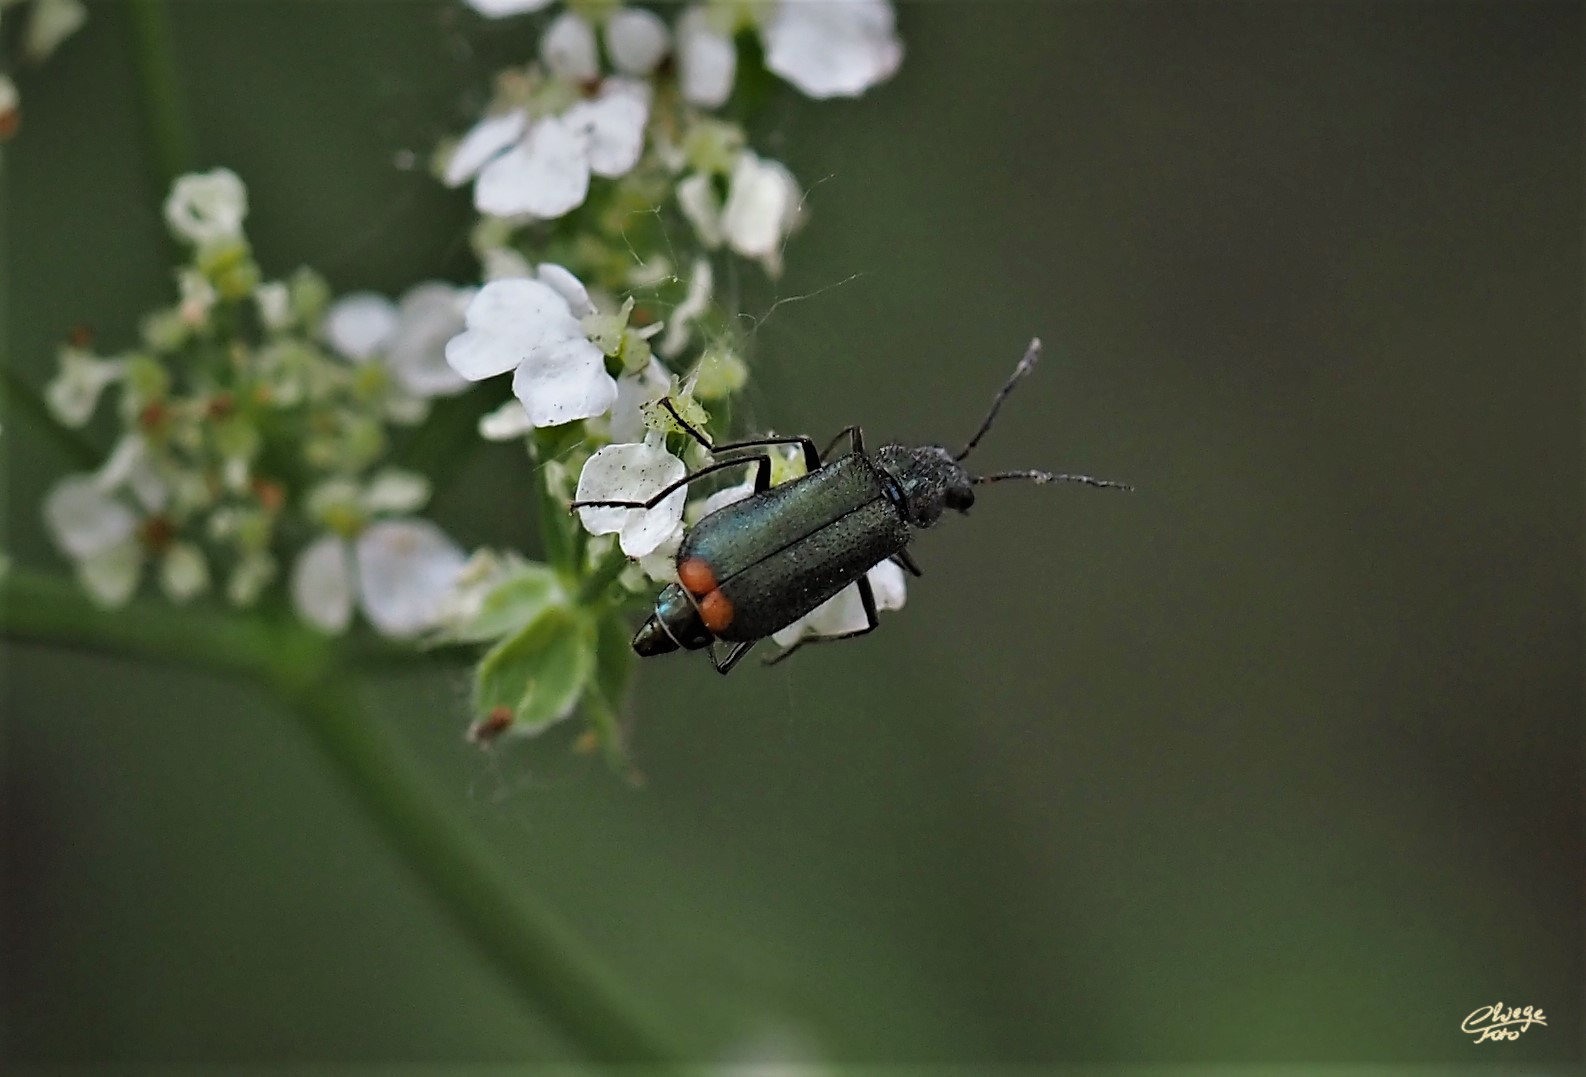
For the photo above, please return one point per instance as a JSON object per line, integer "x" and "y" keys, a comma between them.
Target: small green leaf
{"x": 539, "y": 674}
{"x": 514, "y": 604}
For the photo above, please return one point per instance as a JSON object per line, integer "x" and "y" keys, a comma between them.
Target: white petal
{"x": 395, "y": 491}
{"x": 484, "y": 140}
{"x": 406, "y": 572}
{"x": 701, "y": 284}
{"x": 833, "y": 48}
{"x": 496, "y": 9}
{"x": 547, "y": 174}
{"x": 274, "y": 300}
{"x": 322, "y": 584}
{"x": 565, "y": 381}
{"x": 358, "y": 325}
{"x": 660, "y": 564}
{"x": 430, "y": 315}
{"x": 130, "y": 467}
{"x": 51, "y": 22}
{"x": 763, "y": 198}
{"x": 568, "y": 48}
{"x": 696, "y": 196}
{"x": 707, "y": 60}
{"x": 722, "y": 498}
{"x": 633, "y": 392}
{"x": 84, "y": 520}
{"x": 184, "y": 574}
{"x": 567, "y": 286}
{"x": 845, "y": 611}
{"x": 111, "y": 575}
{"x": 632, "y": 472}
{"x": 507, "y": 423}
{"x": 73, "y": 394}
{"x": 207, "y": 207}
{"x": 636, "y": 40}
{"x": 506, "y": 321}
{"x": 612, "y": 126}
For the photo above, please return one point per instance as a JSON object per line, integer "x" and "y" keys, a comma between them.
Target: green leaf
{"x": 513, "y": 604}
{"x": 539, "y": 674}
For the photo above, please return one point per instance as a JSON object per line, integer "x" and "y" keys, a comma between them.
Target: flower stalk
{"x": 533, "y": 949}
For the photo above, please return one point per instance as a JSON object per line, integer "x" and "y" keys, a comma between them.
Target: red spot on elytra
{"x": 715, "y": 609}
{"x": 696, "y": 576}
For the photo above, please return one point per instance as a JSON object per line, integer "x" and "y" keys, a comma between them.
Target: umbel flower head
{"x": 234, "y": 413}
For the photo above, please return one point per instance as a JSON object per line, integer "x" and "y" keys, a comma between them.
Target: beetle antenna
{"x": 1043, "y": 477}
{"x": 1027, "y": 364}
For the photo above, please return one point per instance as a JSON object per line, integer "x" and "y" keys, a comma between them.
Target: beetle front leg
{"x": 812, "y": 459}
{"x": 762, "y": 481}
{"x": 867, "y": 599}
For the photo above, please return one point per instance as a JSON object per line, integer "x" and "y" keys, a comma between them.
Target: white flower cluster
{"x": 240, "y": 426}
{"x": 611, "y": 189}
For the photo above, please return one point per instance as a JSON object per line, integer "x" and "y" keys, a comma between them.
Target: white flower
{"x": 99, "y": 533}
{"x": 832, "y": 48}
{"x": 764, "y": 205}
{"x": 400, "y": 572}
{"x": 184, "y": 574}
{"x": 545, "y": 172}
{"x": 633, "y": 472}
{"x": 131, "y": 466}
{"x": 84, "y": 520}
{"x": 568, "y": 48}
{"x": 844, "y": 612}
{"x": 509, "y": 422}
{"x": 411, "y": 336}
{"x": 51, "y": 23}
{"x": 530, "y": 326}
{"x": 707, "y": 60}
{"x": 635, "y": 390}
{"x": 636, "y": 40}
{"x": 207, "y": 207}
{"x": 73, "y": 393}
{"x": 496, "y": 9}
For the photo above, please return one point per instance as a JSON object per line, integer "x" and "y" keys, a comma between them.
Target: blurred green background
{"x": 1276, "y": 760}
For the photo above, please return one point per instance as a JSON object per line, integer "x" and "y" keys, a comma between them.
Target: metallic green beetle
{"x": 759, "y": 564}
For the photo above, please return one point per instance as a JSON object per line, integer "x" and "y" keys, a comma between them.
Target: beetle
{"x": 759, "y": 564}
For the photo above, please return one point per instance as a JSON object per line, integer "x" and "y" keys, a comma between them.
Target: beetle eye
{"x": 960, "y": 498}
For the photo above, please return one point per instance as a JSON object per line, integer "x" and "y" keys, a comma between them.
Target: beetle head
{"x": 926, "y": 481}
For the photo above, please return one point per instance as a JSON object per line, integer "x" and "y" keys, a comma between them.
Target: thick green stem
{"x": 534, "y": 950}
{"x": 159, "y": 82}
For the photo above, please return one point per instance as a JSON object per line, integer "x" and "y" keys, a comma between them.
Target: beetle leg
{"x": 812, "y": 459}
{"x": 867, "y": 599}
{"x": 724, "y": 665}
{"x": 762, "y": 481}
{"x": 856, "y": 440}
{"x": 904, "y": 561}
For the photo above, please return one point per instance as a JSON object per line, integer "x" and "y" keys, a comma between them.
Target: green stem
{"x": 532, "y": 948}
{"x": 159, "y": 83}
{"x": 594, "y": 586}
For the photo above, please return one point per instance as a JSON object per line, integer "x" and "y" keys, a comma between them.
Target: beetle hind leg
{"x": 734, "y": 654}
{"x": 867, "y": 599}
